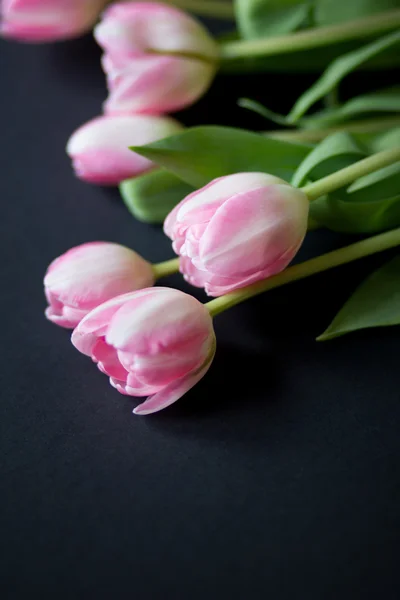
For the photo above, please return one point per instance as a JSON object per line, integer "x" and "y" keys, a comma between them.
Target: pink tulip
{"x": 237, "y": 230}
{"x": 157, "y": 58}
{"x": 48, "y": 20}
{"x": 157, "y": 342}
{"x": 90, "y": 274}
{"x": 100, "y": 148}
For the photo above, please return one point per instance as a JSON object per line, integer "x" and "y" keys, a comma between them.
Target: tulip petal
{"x": 95, "y": 324}
{"x": 253, "y": 230}
{"x": 137, "y": 27}
{"x": 172, "y": 392}
{"x": 141, "y": 326}
{"x": 155, "y": 85}
{"x": 107, "y": 359}
{"x": 200, "y": 206}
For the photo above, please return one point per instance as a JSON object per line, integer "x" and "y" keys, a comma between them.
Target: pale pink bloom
{"x": 88, "y": 275}
{"x": 48, "y": 20}
{"x": 100, "y": 149}
{"x": 157, "y": 58}
{"x": 157, "y": 342}
{"x": 237, "y": 230}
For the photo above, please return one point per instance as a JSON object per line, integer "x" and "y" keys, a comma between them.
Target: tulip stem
{"x": 372, "y": 245}
{"x": 218, "y": 9}
{"x": 168, "y": 267}
{"x": 315, "y": 135}
{"x": 349, "y": 174}
{"x": 312, "y": 38}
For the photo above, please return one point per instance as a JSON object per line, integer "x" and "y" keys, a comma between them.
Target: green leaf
{"x": 328, "y": 12}
{"x": 338, "y": 69}
{"x": 335, "y": 152}
{"x": 200, "y": 154}
{"x": 337, "y": 213}
{"x": 309, "y": 61}
{"x": 263, "y": 111}
{"x": 153, "y": 195}
{"x": 383, "y": 101}
{"x": 386, "y": 141}
{"x": 263, "y": 18}
{"x": 375, "y": 303}
{"x": 384, "y": 183}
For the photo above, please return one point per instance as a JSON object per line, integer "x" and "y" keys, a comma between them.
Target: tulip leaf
{"x": 383, "y": 183}
{"x": 262, "y": 18}
{"x": 335, "y": 152}
{"x": 383, "y": 101}
{"x": 338, "y": 69}
{"x": 337, "y": 213}
{"x": 153, "y": 195}
{"x": 328, "y": 12}
{"x": 200, "y": 154}
{"x": 263, "y": 111}
{"x": 375, "y": 303}
{"x": 385, "y": 141}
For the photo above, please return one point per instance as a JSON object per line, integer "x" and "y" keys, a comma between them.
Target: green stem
{"x": 349, "y": 174}
{"x": 207, "y": 8}
{"x": 166, "y": 268}
{"x": 315, "y": 135}
{"x": 372, "y": 245}
{"x": 312, "y": 38}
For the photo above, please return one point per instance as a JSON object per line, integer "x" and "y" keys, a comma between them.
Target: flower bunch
{"x": 236, "y": 205}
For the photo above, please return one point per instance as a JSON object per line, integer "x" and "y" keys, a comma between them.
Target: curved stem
{"x": 349, "y": 174}
{"x": 166, "y": 268}
{"x": 366, "y": 247}
{"x": 312, "y": 38}
{"x": 315, "y": 135}
{"x": 219, "y": 9}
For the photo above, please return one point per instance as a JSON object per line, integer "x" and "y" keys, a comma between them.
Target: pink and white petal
{"x": 109, "y": 167}
{"x": 95, "y": 324}
{"x": 155, "y": 85}
{"x": 141, "y": 327}
{"x": 162, "y": 368}
{"x": 98, "y": 319}
{"x": 131, "y": 387}
{"x": 135, "y": 27}
{"x": 171, "y": 393}
{"x": 192, "y": 274}
{"x": 248, "y": 233}
{"x": 120, "y": 386}
{"x": 107, "y": 359}
{"x": 200, "y": 206}
{"x": 74, "y": 314}
{"x": 59, "y": 320}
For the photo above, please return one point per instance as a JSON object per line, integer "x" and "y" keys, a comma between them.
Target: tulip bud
{"x": 157, "y": 342}
{"x": 157, "y": 58}
{"x": 100, "y": 148}
{"x": 48, "y": 20}
{"x": 153, "y": 195}
{"x": 90, "y": 274}
{"x": 237, "y": 230}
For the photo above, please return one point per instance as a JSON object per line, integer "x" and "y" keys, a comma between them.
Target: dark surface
{"x": 277, "y": 477}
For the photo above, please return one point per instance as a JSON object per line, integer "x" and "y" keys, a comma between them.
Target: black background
{"x": 276, "y": 477}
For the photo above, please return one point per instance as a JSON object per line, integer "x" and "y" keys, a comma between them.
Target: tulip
{"x": 157, "y": 58}
{"x": 88, "y": 275}
{"x": 157, "y": 342}
{"x": 48, "y": 20}
{"x": 237, "y": 230}
{"x": 100, "y": 148}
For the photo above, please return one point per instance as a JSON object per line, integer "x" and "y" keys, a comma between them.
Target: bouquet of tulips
{"x": 236, "y": 204}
